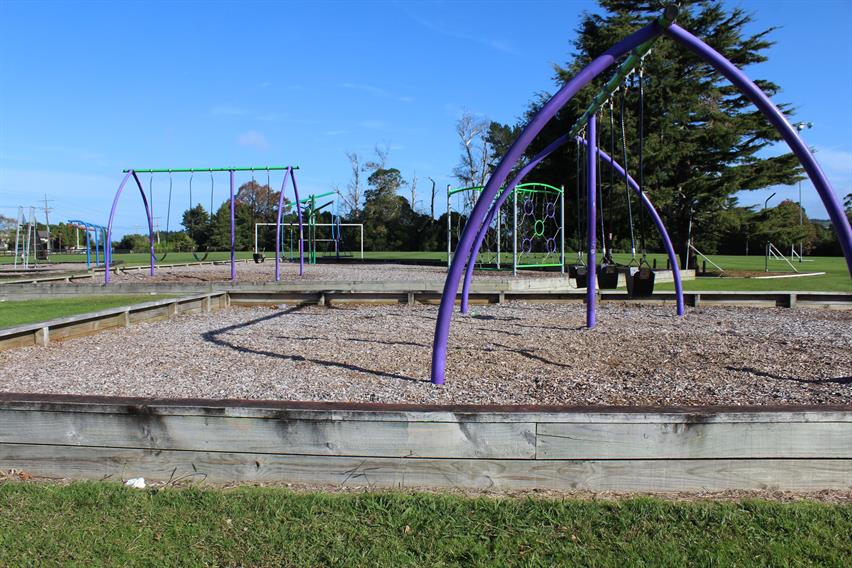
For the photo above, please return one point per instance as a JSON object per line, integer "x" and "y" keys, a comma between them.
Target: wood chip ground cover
{"x": 516, "y": 353}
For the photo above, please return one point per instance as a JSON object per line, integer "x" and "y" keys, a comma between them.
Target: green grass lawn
{"x": 96, "y": 524}
{"x": 19, "y": 312}
{"x": 139, "y": 258}
{"x": 836, "y": 278}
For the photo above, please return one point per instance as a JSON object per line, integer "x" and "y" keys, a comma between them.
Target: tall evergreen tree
{"x": 703, "y": 139}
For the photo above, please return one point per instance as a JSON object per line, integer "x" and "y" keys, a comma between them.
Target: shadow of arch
{"x": 213, "y": 336}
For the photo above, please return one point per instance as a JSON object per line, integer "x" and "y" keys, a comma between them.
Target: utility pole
{"x": 47, "y": 224}
{"x": 799, "y": 126}
{"x": 432, "y": 213}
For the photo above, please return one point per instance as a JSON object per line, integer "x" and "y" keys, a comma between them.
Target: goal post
{"x": 359, "y": 227}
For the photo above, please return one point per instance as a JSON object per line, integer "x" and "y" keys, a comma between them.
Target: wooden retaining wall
{"x": 497, "y": 448}
{"x": 42, "y": 333}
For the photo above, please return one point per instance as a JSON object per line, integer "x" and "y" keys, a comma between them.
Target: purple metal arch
{"x": 278, "y": 226}
{"x": 504, "y": 195}
{"x": 548, "y": 111}
{"x": 779, "y": 121}
{"x": 507, "y": 191}
{"x": 591, "y": 220}
{"x": 108, "y": 250}
{"x": 725, "y": 67}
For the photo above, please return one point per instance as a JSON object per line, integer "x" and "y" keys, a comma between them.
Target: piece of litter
{"x": 136, "y": 483}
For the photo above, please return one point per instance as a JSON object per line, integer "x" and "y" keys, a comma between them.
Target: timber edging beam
{"x": 459, "y": 446}
{"x": 42, "y": 333}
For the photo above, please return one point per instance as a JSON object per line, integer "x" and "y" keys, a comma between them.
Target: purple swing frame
{"x": 288, "y": 171}
{"x": 663, "y": 25}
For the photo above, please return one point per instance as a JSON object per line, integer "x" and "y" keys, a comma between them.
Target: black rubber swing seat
{"x": 258, "y": 257}
{"x": 200, "y": 258}
{"x": 580, "y": 273}
{"x": 607, "y": 276}
{"x": 640, "y": 284}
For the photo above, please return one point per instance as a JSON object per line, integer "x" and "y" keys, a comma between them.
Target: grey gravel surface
{"x": 516, "y": 353}
{"x": 265, "y": 272}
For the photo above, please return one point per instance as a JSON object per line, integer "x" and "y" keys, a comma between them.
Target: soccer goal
{"x": 326, "y": 240}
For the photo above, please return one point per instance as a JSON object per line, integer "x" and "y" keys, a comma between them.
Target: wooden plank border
{"x": 42, "y": 333}
{"x": 595, "y": 448}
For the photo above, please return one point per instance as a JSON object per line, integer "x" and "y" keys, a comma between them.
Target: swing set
{"x": 95, "y": 234}
{"x": 148, "y": 203}
{"x": 584, "y": 132}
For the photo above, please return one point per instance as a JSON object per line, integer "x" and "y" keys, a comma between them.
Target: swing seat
{"x": 607, "y": 276}
{"x": 640, "y": 284}
{"x": 258, "y": 257}
{"x": 580, "y": 273}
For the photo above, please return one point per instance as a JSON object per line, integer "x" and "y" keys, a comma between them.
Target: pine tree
{"x": 702, "y": 137}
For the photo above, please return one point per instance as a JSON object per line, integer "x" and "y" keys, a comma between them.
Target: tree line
{"x": 702, "y": 144}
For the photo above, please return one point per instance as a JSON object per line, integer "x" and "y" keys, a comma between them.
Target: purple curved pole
{"x": 486, "y": 198}
{"x": 646, "y": 202}
{"x": 779, "y": 121}
{"x": 233, "y": 233}
{"x": 591, "y": 220}
{"x": 506, "y": 193}
{"x": 108, "y": 251}
{"x": 278, "y": 226}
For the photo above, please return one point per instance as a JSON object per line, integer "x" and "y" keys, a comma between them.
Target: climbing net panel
{"x": 539, "y": 239}
{"x": 495, "y": 248}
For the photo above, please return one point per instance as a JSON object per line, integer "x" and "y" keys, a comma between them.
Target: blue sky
{"x": 87, "y": 89}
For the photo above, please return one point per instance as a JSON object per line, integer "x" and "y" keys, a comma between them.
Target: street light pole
{"x": 799, "y": 126}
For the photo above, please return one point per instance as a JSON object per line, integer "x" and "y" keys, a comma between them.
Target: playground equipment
{"x": 773, "y": 253}
{"x": 635, "y": 47}
{"x": 536, "y": 229}
{"x": 340, "y": 242}
{"x": 95, "y": 234}
{"x": 26, "y": 245}
{"x": 134, "y": 174}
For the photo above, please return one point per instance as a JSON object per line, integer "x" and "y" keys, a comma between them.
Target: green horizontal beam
{"x": 210, "y": 170}
{"x": 460, "y": 189}
{"x": 308, "y": 198}
{"x": 535, "y": 187}
{"x": 635, "y": 57}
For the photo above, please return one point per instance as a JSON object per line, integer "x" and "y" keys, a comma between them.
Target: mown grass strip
{"x": 107, "y": 524}
{"x": 19, "y": 312}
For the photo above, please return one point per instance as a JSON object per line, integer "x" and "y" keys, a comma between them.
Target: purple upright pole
{"x": 486, "y": 198}
{"x": 278, "y": 226}
{"x": 779, "y": 121}
{"x": 233, "y": 233}
{"x": 301, "y": 227}
{"x": 646, "y": 202}
{"x": 108, "y": 253}
{"x": 591, "y": 220}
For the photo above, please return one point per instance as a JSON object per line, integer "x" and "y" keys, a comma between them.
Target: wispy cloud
{"x": 253, "y": 139}
{"x": 447, "y": 31}
{"x": 378, "y": 92}
{"x": 835, "y": 162}
{"x": 373, "y": 124}
{"x": 229, "y": 110}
